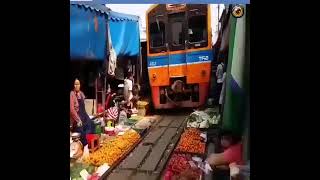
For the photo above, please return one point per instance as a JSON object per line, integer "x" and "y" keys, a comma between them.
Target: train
{"x": 179, "y": 54}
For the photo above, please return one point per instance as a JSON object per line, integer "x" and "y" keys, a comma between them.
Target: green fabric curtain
{"x": 237, "y": 87}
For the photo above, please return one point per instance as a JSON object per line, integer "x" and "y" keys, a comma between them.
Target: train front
{"x": 179, "y": 54}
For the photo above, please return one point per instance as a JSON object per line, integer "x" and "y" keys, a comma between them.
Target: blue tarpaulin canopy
{"x": 89, "y": 35}
{"x": 125, "y": 35}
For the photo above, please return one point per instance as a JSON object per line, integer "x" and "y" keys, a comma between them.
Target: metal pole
{"x": 218, "y": 16}
{"x": 140, "y": 65}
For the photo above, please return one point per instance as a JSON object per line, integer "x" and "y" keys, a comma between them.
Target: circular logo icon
{"x": 237, "y": 11}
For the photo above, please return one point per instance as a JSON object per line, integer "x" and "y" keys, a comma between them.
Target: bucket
{"x": 142, "y": 112}
{"x": 110, "y": 131}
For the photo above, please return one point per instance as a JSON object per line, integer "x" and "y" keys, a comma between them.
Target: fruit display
{"x": 191, "y": 142}
{"x": 179, "y": 166}
{"x": 114, "y": 149}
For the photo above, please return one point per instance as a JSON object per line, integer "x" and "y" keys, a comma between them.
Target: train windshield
{"x": 177, "y": 33}
{"x": 157, "y": 34}
{"x": 197, "y": 29}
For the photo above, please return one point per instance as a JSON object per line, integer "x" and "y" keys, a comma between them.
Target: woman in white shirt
{"x": 128, "y": 83}
{"x": 219, "y": 76}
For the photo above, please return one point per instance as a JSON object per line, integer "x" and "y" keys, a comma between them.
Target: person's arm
{"x": 219, "y": 70}
{"x": 73, "y": 112}
{"x": 216, "y": 160}
{"x": 230, "y": 155}
{"x": 239, "y": 170}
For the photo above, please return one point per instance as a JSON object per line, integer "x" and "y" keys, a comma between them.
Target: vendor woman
{"x": 79, "y": 116}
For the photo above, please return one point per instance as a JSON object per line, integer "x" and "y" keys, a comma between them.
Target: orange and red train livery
{"x": 179, "y": 54}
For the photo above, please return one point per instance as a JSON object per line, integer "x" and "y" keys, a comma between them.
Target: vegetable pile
{"x": 203, "y": 119}
{"x": 112, "y": 150}
{"x": 191, "y": 142}
{"x": 77, "y": 168}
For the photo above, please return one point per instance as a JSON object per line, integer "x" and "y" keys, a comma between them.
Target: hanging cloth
{"x": 112, "y": 54}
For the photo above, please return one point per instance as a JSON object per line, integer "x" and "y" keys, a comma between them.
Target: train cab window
{"x": 157, "y": 34}
{"x": 177, "y": 33}
{"x": 197, "y": 30}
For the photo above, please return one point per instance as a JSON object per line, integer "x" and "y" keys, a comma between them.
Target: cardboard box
{"x": 90, "y": 104}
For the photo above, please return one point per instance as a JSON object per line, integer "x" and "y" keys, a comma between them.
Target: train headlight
{"x": 154, "y": 76}
{"x": 203, "y": 73}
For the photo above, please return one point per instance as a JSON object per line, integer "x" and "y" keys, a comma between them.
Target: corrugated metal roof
{"x": 115, "y": 16}
{"x": 93, "y": 6}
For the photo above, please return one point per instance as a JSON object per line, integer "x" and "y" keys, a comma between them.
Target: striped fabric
{"x": 112, "y": 113}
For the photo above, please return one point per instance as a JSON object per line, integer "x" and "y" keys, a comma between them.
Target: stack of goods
{"x": 182, "y": 165}
{"x": 113, "y": 150}
{"x": 203, "y": 119}
{"x": 191, "y": 142}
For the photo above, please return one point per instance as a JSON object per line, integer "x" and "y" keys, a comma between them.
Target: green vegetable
{"x": 77, "y": 168}
{"x": 90, "y": 169}
{"x": 136, "y": 118}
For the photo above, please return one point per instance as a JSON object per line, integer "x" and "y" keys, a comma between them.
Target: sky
{"x": 141, "y": 9}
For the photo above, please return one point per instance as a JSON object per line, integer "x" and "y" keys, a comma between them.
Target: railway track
{"x": 148, "y": 160}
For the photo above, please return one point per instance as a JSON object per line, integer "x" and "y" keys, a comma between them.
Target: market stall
{"x": 102, "y": 36}
{"x": 108, "y": 146}
{"x": 94, "y": 27}
{"x": 107, "y": 151}
{"x": 188, "y": 157}
{"x": 102, "y": 43}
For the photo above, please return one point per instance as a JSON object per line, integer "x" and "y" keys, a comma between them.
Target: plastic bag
{"x": 122, "y": 117}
